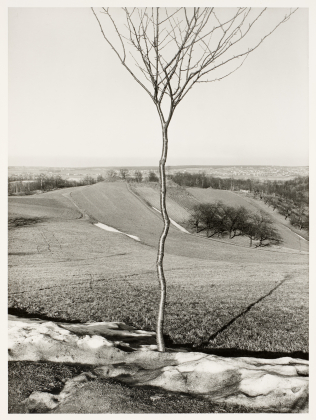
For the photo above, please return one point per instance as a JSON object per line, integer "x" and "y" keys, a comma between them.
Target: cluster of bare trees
{"x": 290, "y": 198}
{"x": 296, "y": 212}
{"x": 218, "y": 219}
{"x": 131, "y": 176}
{"x": 125, "y": 175}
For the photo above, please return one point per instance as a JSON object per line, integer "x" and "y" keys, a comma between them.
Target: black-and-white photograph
{"x": 158, "y": 209}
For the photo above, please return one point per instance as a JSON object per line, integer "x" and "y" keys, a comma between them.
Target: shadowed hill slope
{"x": 151, "y": 196}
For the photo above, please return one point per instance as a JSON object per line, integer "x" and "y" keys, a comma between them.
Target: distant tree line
{"x": 218, "y": 219}
{"x": 201, "y": 180}
{"x": 29, "y": 184}
{"x": 26, "y": 184}
{"x": 294, "y": 189}
{"x": 126, "y": 175}
{"x": 290, "y": 198}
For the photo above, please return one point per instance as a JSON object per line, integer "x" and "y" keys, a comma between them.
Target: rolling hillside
{"x": 64, "y": 267}
{"x": 181, "y": 200}
{"x": 49, "y": 205}
{"x": 114, "y": 205}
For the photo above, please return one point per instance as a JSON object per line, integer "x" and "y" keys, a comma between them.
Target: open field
{"x": 220, "y": 296}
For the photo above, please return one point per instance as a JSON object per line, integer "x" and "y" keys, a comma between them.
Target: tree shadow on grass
{"x": 224, "y": 327}
{"x": 233, "y": 352}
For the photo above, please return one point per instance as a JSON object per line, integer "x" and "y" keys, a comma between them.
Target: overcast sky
{"x": 71, "y": 103}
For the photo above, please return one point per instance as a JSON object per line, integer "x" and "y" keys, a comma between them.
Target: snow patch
{"x": 273, "y": 385}
{"x": 111, "y": 229}
{"x": 174, "y": 223}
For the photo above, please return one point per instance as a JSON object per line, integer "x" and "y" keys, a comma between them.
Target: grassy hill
{"x": 151, "y": 196}
{"x": 180, "y": 202}
{"x": 224, "y": 297}
{"x": 210, "y": 195}
{"x": 48, "y": 205}
{"x": 291, "y": 238}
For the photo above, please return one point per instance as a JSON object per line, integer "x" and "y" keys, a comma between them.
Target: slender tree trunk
{"x": 163, "y": 236}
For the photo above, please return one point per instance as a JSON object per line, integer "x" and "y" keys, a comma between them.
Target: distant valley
{"x": 237, "y": 171}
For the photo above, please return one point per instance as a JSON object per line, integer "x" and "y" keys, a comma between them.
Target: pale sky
{"x": 71, "y": 102}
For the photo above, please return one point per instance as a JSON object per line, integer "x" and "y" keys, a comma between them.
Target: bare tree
{"x": 111, "y": 174}
{"x": 124, "y": 173}
{"x": 152, "y": 177}
{"x": 235, "y": 218}
{"x": 167, "y": 51}
{"x": 138, "y": 176}
{"x": 259, "y": 226}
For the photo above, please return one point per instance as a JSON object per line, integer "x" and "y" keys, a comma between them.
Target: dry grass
{"x": 44, "y": 205}
{"x": 219, "y": 295}
{"x": 27, "y": 377}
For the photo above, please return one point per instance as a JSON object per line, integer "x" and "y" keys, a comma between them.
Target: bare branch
{"x": 155, "y": 33}
{"x": 127, "y": 68}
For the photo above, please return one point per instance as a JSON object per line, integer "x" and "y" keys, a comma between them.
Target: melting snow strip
{"x": 110, "y": 229}
{"x": 174, "y": 223}
{"x": 297, "y": 234}
{"x": 301, "y": 237}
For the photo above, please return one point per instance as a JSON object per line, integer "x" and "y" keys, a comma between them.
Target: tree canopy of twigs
{"x": 173, "y": 49}
{"x": 169, "y": 50}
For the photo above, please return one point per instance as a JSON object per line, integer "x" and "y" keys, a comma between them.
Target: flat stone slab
{"x": 273, "y": 385}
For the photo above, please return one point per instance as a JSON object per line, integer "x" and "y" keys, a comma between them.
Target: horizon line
{"x": 151, "y": 166}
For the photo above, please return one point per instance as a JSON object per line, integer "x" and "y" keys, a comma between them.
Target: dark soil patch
{"x": 27, "y": 377}
{"x": 16, "y": 222}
